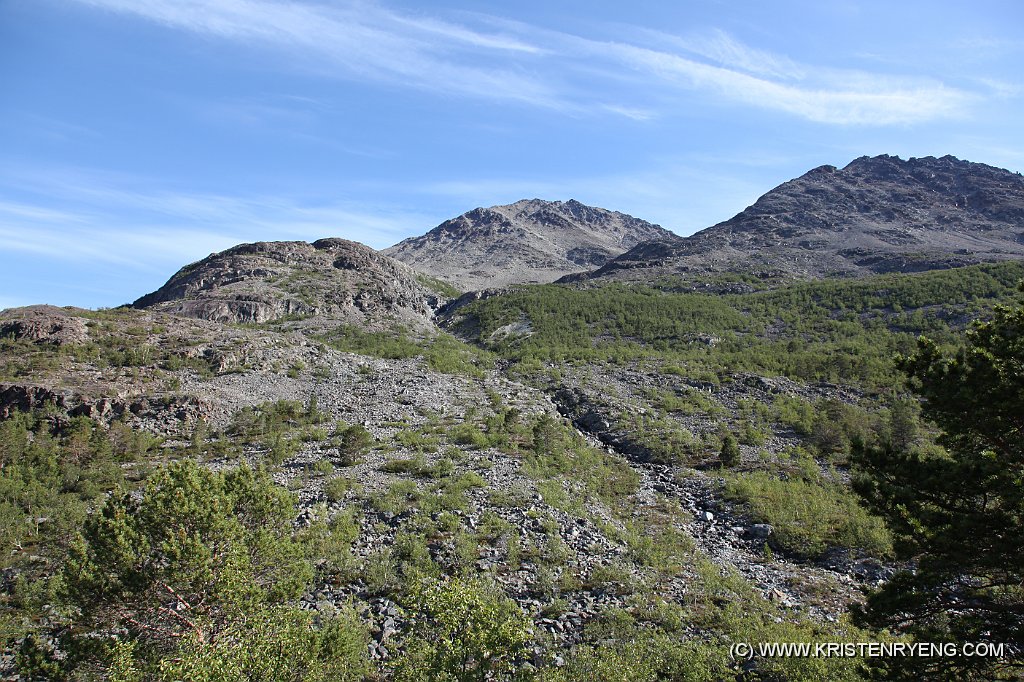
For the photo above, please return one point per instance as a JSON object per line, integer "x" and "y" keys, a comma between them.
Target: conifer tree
{"x": 193, "y": 579}
{"x": 957, "y": 513}
{"x": 730, "y": 453}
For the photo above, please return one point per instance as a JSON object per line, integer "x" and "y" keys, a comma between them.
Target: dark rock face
{"x": 878, "y": 214}
{"x": 43, "y": 324}
{"x": 169, "y": 409}
{"x": 530, "y": 241}
{"x": 330, "y": 279}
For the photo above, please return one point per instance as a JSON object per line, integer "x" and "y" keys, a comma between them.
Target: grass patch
{"x": 810, "y": 517}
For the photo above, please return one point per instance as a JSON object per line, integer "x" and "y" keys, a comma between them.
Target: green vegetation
{"x": 467, "y": 631}
{"x": 559, "y": 453}
{"x": 730, "y": 454}
{"x": 124, "y": 568}
{"x": 272, "y": 418}
{"x": 664, "y": 439}
{"x": 443, "y": 352}
{"x": 810, "y": 517}
{"x": 650, "y": 640}
{"x": 278, "y": 426}
{"x": 336, "y": 487}
{"x": 836, "y": 331}
{"x": 166, "y": 585}
{"x": 272, "y": 644}
{"x": 51, "y": 470}
{"x": 438, "y": 286}
{"x": 958, "y": 511}
{"x": 352, "y": 443}
{"x": 116, "y": 339}
{"x": 393, "y": 345}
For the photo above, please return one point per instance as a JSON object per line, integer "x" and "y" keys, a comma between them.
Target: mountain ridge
{"x": 877, "y": 214}
{"x": 527, "y": 242}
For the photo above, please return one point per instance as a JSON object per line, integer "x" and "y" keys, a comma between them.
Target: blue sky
{"x": 140, "y": 135}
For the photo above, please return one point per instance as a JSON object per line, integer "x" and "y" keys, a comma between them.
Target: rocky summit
{"x": 878, "y": 214}
{"x": 530, "y": 241}
{"x": 330, "y": 279}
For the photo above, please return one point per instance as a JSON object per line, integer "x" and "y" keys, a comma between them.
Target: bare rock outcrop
{"x": 330, "y": 279}
{"x": 160, "y": 414}
{"x": 878, "y": 214}
{"x": 528, "y": 242}
{"x": 44, "y": 324}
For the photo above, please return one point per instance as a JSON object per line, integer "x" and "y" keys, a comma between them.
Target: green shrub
{"x": 216, "y": 546}
{"x": 417, "y": 440}
{"x": 280, "y": 448}
{"x": 730, "y": 453}
{"x": 794, "y": 412}
{"x": 469, "y": 434}
{"x": 393, "y": 345}
{"x": 557, "y": 450}
{"x": 314, "y": 434}
{"x": 448, "y": 355}
{"x": 323, "y": 467}
{"x": 50, "y": 475}
{"x": 439, "y": 286}
{"x": 353, "y": 442}
{"x": 398, "y": 497}
{"x": 466, "y": 630}
{"x": 442, "y": 468}
{"x": 404, "y": 466}
{"x": 751, "y": 435}
{"x": 833, "y": 330}
{"x": 643, "y": 657}
{"x": 810, "y": 517}
{"x": 282, "y": 644}
{"x": 336, "y": 487}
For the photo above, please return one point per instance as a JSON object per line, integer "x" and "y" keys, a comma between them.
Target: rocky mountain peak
{"x": 876, "y": 214}
{"x": 529, "y": 241}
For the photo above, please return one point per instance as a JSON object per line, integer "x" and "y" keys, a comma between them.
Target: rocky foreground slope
{"x": 453, "y": 479}
{"x": 877, "y": 214}
{"x": 530, "y": 241}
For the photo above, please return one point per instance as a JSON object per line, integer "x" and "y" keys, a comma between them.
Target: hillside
{"x": 573, "y": 471}
{"x": 330, "y": 280}
{"x": 876, "y": 215}
{"x": 306, "y": 456}
{"x": 530, "y": 241}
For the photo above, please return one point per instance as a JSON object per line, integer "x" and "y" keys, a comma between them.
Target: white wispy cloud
{"x": 724, "y": 50}
{"x": 16, "y": 210}
{"x": 138, "y": 248}
{"x": 360, "y": 40}
{"x": 1002, "y": 88}
{"x": 508, "y": 60}
{"x": 840, "y": 98}
{"x": 103, "y": 218}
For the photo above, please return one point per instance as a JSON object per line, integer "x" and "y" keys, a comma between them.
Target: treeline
{"x": 844, "y": 331}
{"x": 52, "y": 468}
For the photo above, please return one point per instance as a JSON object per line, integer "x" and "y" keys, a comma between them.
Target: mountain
{"x": 530, "y": 241}
{"x": 332, "y": 279}
{"x": 583, "y": 478}
{"x": 878, "y": 214}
